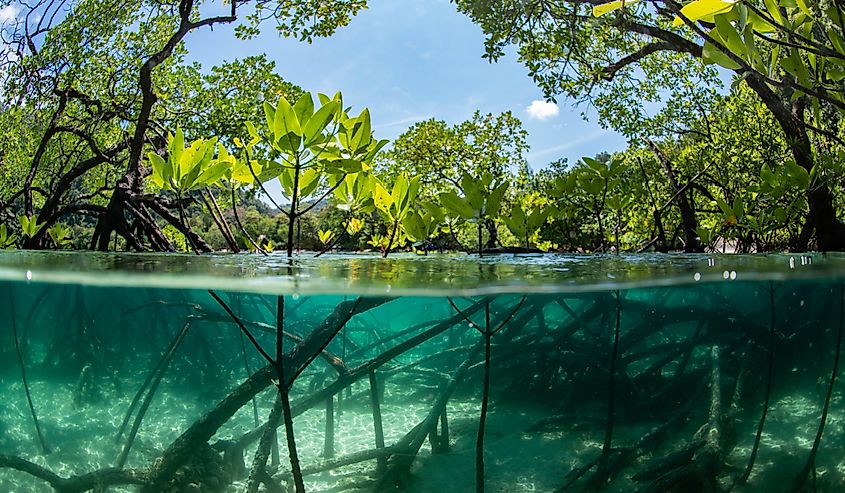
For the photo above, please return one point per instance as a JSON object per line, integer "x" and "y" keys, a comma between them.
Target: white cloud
{"x": 8, "y": 13}
{"x": 542, "y": 110}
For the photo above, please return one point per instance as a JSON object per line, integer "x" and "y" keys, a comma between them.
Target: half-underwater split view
{"x": 429, "y": 246}
{"x": 650, "y": 373}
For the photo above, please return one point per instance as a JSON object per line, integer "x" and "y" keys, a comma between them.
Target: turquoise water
{"x": 605, "y": 373}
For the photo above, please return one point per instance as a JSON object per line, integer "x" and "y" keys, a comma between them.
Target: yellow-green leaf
{"x": 600, "y": 10}
{"x": 382, "y": 198}
{"x": 774, "y": 10}
{"x": 325, "y": 236}
{"x": 699, "y": 9}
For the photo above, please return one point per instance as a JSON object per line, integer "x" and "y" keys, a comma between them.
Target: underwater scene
{"x": 652, "y": 374}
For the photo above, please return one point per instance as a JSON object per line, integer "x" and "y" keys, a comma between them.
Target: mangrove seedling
{"x": 481, "y": 201}
{"x": 309, "y": 145}
{"x": 395, "y": 206}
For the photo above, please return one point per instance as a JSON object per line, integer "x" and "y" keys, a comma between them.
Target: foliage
{"x": 189, "y": 168}
{"x": 311, "y": 146}
{"x": 524, "y": 224}
{"x": 88, "y": 92}
{"x": 7, "y": 240}
{"x": 441, "y": 154}
{"x": 481, "y": 201}
{"x": 61, "y": 235}
{"x": 396, "y": 207}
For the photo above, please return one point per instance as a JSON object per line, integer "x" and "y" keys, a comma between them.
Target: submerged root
{"x": 205, "y": 471}
{"x": 75, "y": 484}
{"x": 695, "y": 467}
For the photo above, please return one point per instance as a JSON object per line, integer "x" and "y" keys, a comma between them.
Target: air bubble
{"x": 29, "y": 275}
{"x": 726, "y": 275}
{"x": 697, "y": 276}
{"x": 733, "y": 275}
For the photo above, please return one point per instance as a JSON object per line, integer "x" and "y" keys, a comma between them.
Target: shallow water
{"x": 613, "y": 374}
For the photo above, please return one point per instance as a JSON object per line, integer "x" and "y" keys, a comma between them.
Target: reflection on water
{"x": 407, "y": 274}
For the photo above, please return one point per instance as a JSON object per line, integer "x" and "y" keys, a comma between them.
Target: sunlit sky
{"x": 410, "y": 60}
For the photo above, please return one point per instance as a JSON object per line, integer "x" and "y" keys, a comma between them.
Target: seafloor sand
{"x": 517, "y": 460}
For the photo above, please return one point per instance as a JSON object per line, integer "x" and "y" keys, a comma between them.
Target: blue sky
{"x": 410, "y": 60}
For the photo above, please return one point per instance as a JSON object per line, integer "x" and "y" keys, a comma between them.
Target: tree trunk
{"x": 688, "y": 221}
{"x": 821, "y": 220}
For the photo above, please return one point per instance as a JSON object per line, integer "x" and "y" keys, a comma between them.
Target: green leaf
{"x": 415, "y": 226}
{"x": 309, "y": 180}
{"x": 451, "y": 201}
{"x": 325, "y": 236}
{"x": 726, "y": 209}
{"x": 29, "y": 225}
{"x": 434, "y": 211}
{"x": 363, "y": 134}
{"x": 768, "y": 176}
{"x": 6, "y": 241}
{"x": 473, "y": 193}
{"x": 516, "y": 221}
{"x": 774, "y": 10}
{"x": 729, "y": 36}
{"x": 286, "y": 180}
{"x": 797, "y": 176}
{"x": 318, "y": 122}
{"x": 494, "y": 200}
{"x": 177, "y": 146}
{"x": 413, "y": 191}
{"x": 241, "y": 171}
{"x": 759, "y": 24}
{"x": 836, "y": 40}
{"x": 738, "y": 207}
{"x": 161, "y": 170}
{"x": 213, "y": 173}
{"x": 288, "y": 143}
{"x": 795, "y": 66}
{"x": 400, "y": 192}
{"x": 269, "y": 116}
{"x": 537, "y": 218}
{"x": 348, "y": 166}
{"x": 711, "y": 54}
{"x": 285, "y": 121}
{"x": 304, "y": 108}
{"x": 253, "y": 132}
{"x": 373, "y": 149}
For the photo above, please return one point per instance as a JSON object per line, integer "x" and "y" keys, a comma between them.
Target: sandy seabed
{"x": 517, "y": 460}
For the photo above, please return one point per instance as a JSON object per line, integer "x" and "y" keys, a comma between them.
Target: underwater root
{"x": 692, "y": 468}
{"x": 696, "y": 466}
{"x": 399, "y": 465}
{"x": 74, "y": 484}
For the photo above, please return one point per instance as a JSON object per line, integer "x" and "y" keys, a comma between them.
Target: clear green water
{"x": 673, "y": 404}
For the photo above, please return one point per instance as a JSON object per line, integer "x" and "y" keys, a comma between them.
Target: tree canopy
{"x": 119, "y": 143}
